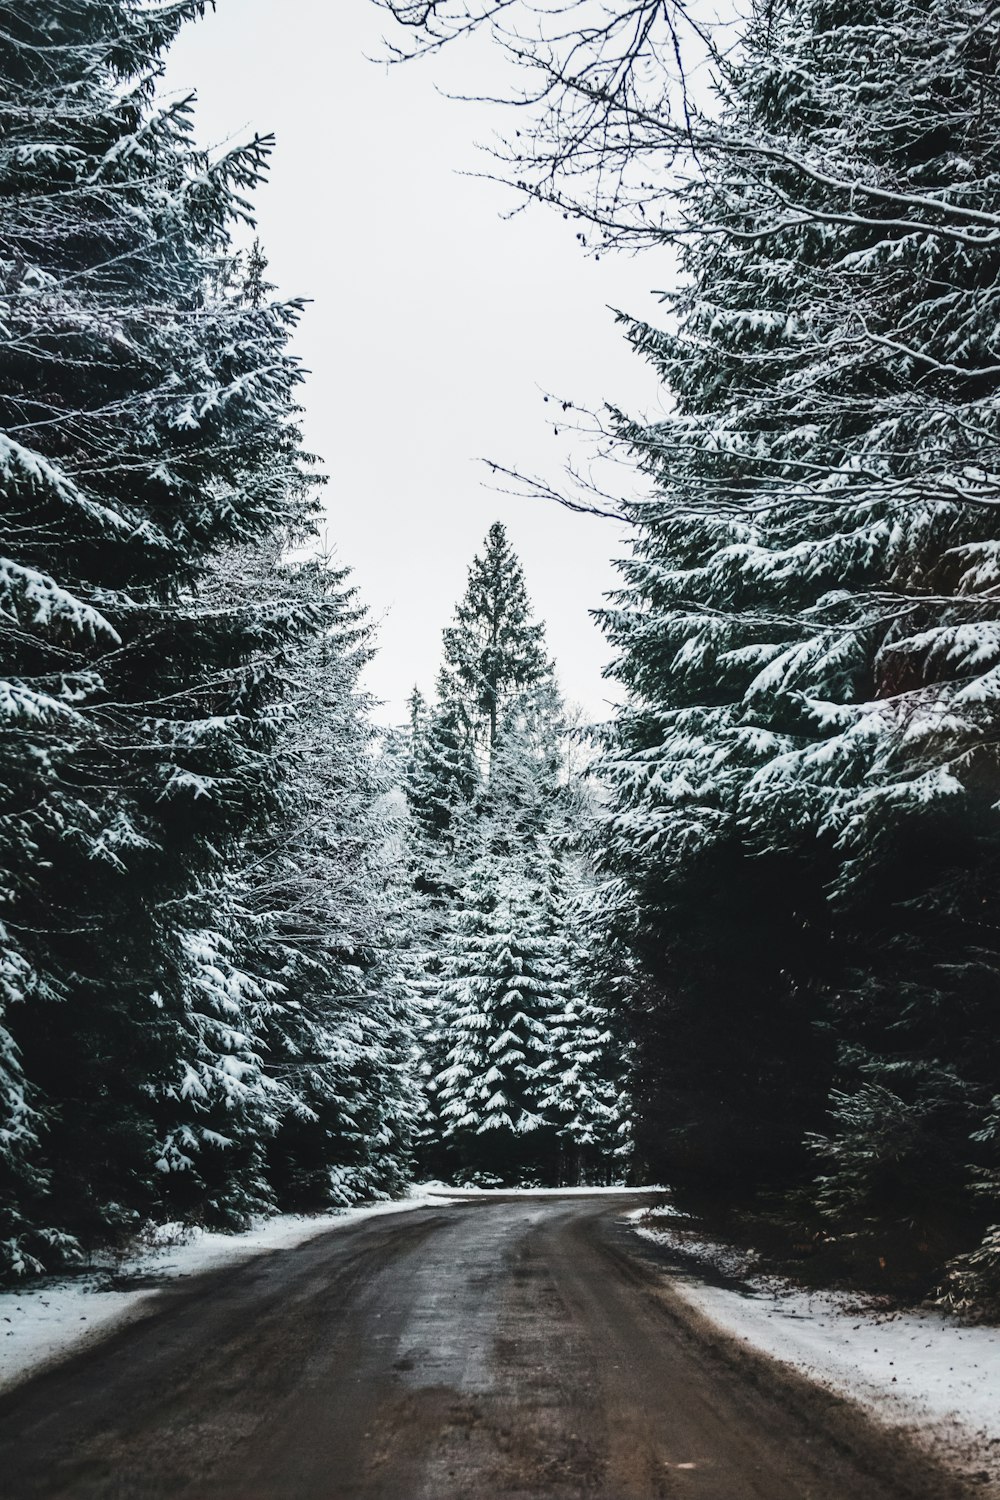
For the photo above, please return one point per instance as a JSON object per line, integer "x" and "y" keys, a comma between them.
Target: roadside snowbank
{"x": 537, "y": 1192}
{"x": 918, "y": 1370}
{"x": 43, "y": 1322}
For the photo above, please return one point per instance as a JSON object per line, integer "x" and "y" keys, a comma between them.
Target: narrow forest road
{"x": 522, "y": 1348}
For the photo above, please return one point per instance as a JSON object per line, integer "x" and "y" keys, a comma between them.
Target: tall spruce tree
{"x": 515, "y": 1052}
{"x": 314, "y": 893}
{"x": 501, "y": 989}
{"x": 583, "y": 1089}
{"x": 147, "y": 419}
{"x": 806, "y": 780}
{"x": 494, "y": 652}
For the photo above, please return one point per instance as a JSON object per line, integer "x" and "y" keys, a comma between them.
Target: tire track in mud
{"x": 501, "y": 1349}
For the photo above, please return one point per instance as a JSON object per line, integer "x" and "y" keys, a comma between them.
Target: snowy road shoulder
{"x": 918, "y": 1370}
{"x": 46, "y": 1321}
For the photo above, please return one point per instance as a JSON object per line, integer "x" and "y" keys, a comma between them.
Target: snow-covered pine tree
{"x": 728, "y": 1071}
{"x": 584, "y": 1086}
{"x": 147, "y": 419}
{"x": 494, "y": 651}
{"x": 807, "y": 777}
{"x": 490, "y": 806}
{"x": 441, "y": 779}
{"x": 316, "y": 894}
{"x": 502, "y": 985}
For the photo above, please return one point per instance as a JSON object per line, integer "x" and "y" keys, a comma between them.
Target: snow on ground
{"x": 727, "y": 1260}
{"x": 44, "y": 1321}
{"x": 919, "y": 1370}
{"x": 541, "y": 1192}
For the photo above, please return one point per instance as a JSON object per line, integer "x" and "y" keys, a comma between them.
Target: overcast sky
{"x": 435, "y": 325}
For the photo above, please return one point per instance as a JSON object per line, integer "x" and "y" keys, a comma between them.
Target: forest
{"x": 260, "y": 954}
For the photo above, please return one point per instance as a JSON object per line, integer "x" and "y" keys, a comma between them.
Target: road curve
{"x": 504, "y": 1349}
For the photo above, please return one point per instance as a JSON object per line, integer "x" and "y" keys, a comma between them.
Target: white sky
{"x": 435, "y": 327}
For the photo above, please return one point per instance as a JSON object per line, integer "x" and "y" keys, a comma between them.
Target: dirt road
{"x": 524, "y": 1348}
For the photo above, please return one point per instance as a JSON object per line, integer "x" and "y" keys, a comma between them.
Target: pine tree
{"x": 512, "y": 1048}
{"x": 501, "y": 988}
{"x": 494, "y": 651}
{"x": 806, "y": 824}
{"x": 584, "y": 1086}
{"x": 441, "y": 780}
{"x": 484, "y": 1037}
{"x": 146, "y": 407}
{"x": 315, "y": 890}
{"x": 502, "y": 981}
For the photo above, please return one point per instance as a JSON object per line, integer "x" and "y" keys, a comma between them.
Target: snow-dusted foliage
{"x": 494, "y": 651}
{"x": 806, "y": 778}
{"x": 584, "y": 1090}
{"x": 516, "y": 1055}
{"x": 500, "y": 989}
{"x": 147, "y": 427}
{"x": 317, "y": 891}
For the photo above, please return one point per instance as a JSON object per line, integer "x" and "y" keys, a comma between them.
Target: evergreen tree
{"x": 146, "y": 407}
{"x": 485, "y": 1037}
{"x": 441, "y": 780}
{"x": 806, "y": 777}
{"x": 513, "y": 1051}
{"x": 316, "y": 890}
{"x": 583, "y": 1089}
{"x": 494, "y": 651}
{"x": 501, "y": 988}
